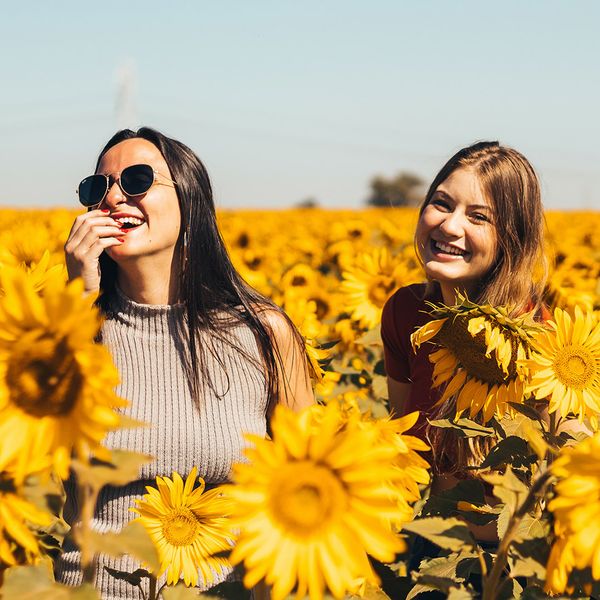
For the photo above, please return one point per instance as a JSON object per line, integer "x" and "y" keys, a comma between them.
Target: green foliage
{"x": 464, "y": 427}
{"x": 450, "y": 534}
{"x": 123, "y": 468}
{"x": 132, "y": 539}
{"x": 36, "y": 583}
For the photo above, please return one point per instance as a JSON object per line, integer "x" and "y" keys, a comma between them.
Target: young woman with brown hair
{"x": 480, "y": 233}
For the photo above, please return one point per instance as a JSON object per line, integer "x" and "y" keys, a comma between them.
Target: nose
{"x": 114, "y": 196}
{"x": 453, "y": 224}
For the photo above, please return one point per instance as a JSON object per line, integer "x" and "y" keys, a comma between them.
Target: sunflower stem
{"x": 491, "y": 583}
{"x": 88, "y": 503}
{"x": 152, "y": 595}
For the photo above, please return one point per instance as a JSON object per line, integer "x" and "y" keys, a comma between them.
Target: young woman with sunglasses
{"x": 203, "y": 357}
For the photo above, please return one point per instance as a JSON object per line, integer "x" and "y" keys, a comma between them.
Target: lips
{"x": 129, "y": 222}
{"x": 445, "y": 249}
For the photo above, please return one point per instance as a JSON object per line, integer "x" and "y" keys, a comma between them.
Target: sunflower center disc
{"x": 180, "y": 527}
{"x": 470, "y": 351}
{"x": 575, "y": 366}
{"x": 380, "y": 289}
{"x": 44, "y": 378}
{"x": 307, "y": 497}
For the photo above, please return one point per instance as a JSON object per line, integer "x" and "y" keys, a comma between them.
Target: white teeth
{"x": 448, "y": 249}
{"x": 131, "y": 220}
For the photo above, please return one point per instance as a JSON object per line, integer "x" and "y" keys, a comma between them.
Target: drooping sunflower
{"x": 189, "y": 527}
{"x": 56, "y": 383}
{"x": 313, "y": 502}
{"x": 565, "y": 366}
{"x": 478, "y": 359}
{"x": 370, "y": 282}
{"x": 576, "y": 510}
{"x": 18, "y": 516}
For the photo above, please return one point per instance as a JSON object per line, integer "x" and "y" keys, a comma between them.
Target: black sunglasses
{"x": 133, "y": 181}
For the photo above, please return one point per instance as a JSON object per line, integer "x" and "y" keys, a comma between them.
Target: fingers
{"x": 91, "y": 221}
{"x": 90, "y": 235}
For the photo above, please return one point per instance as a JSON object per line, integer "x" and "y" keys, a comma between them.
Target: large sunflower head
{"x": 576, "y": 511}
{"x": 478, "y": 358}
{"x": 56, "y": 383}
{"x": 565, "y": 365}
{"x": 316, "y": 500}
{"x": 189, "y": 527}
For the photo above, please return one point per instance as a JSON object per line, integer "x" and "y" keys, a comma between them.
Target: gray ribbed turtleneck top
{"x": 182, "y": 433}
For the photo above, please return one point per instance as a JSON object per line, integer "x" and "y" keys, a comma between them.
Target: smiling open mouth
{"x": 447, "y": 249}
{"x": 130, "y": 222}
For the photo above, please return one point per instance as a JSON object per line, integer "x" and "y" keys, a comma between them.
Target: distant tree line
{"x": 405, "y": 189}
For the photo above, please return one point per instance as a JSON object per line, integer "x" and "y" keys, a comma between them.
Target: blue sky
{"x": 287, "y": 100}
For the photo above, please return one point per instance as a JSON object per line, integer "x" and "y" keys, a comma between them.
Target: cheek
{"x": 424, "y": 225}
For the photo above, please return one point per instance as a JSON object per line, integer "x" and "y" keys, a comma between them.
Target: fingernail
{"x": 105, "y": 210}
{"x": 121, "y": 239}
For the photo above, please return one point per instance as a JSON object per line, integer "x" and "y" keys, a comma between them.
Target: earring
{"x": 185, "y": 247}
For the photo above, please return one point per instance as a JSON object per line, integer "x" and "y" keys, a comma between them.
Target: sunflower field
{"x": 340, "y": 502}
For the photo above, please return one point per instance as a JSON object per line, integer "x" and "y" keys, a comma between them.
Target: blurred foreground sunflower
{"x": 18, "y": 543}
{"x": 19, "y": 520}
{"x": 188, "y": 526}
{"x": 576, "y": 510}
{"x": 312, "y": 503}
{"x": 565, "y": 367}
{"x": 56, "y": 383}
{"x": 481, "y": 347}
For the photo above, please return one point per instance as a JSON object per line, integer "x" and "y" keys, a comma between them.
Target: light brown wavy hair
{"x": 518, "y": 276}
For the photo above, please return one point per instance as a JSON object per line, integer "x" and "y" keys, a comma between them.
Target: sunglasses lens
{"x": 92, "y": 190}
{"x": 137, "y": 179}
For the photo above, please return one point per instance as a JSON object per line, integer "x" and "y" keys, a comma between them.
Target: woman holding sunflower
{"x": 479, "y": 236}
{"x": 203, "y": 357}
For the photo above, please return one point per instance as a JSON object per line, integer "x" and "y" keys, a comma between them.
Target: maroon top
{"x": 403, "y": 313}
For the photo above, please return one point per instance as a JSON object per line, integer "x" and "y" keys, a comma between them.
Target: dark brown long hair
{"x": 518, "y": 275}
{"x": 209, "y": 287}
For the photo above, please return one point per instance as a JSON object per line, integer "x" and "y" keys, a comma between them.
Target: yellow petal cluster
{"x": 322, "y": 495}
{"x": 576, "y": 510}
{"x": 565, "y": 367}
{"x": 480, "y": 356}
{"x": 56, "y": 383}
{"x": 189, "y": 527}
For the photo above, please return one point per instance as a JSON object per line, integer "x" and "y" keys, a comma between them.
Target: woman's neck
{"x": 146, "y": 283}
{"x": 451, "y": 290}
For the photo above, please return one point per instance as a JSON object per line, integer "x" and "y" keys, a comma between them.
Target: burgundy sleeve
{"x": 394, "y": 346}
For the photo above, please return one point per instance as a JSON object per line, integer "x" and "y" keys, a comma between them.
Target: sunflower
{"x": 303, "y": 314}
{"x": 481, "y": 347}
{"x": 188, "y": 526}
{"x": 565, "y": 366}
{"x": 369, "y": 283}
{"x": 56, "y": 384}
{"x": 576, "y": 510}
{"x": 18, "y": 518}
{"x": 312, "y": 503}
{"x": 40, "y": 272}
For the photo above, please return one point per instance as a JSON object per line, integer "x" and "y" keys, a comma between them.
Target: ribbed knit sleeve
{"x": 147, "y": 349}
